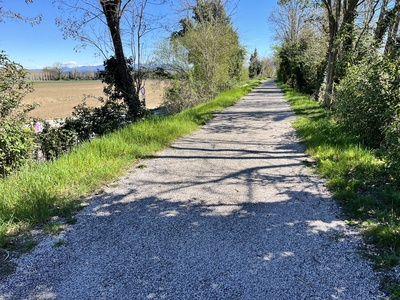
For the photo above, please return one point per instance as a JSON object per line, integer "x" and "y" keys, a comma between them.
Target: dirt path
{"x": 229, "y": 212}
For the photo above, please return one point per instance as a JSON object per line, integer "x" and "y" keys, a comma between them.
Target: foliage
{"x": 16, "y": 139}
{"x": 391, "y": 146}
{"x": 268, "y": 67}
{"x": 16, "y": 145}
{"x": 88, "y": 122}
{"x": 180, "y": 96}
{"x": 52, "y": 142}
{"x": 255, "y": 67}
{"x": 367, "y": 99}
{"x": 53, "y": 188}
{"x": 208, "y": 52}
{"x": 300, "y": 64}
{"x": 117, "y": 89}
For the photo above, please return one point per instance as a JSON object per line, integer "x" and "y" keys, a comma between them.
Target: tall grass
{"x": 41, "y": 191}
{"x": 357, "y": 175}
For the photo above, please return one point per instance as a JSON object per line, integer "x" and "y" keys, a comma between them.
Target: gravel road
{"x": 229, "y": 212}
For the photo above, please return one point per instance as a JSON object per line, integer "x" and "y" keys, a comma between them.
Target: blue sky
{"x": 43, "y": 45}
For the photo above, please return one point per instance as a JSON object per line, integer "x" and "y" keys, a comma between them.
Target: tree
{"x": 385, "y": 29}
{"x": 288, "y": 20}
{"x": 303, "y": 44}
{"x": 213, "y": 47}
{"x": 341, "y": 15}
{"x": 204, "y": 55}
{"x": 268, "y": 67}
{"x": 337, "y": 21}
{"x": 255, "y": 66}
{"x": 58, "y": 70}
{"x": 108, "y": 26}
{"x": 113, "y": 11}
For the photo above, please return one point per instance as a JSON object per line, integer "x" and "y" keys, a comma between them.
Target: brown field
{"x": 58, "y": 98}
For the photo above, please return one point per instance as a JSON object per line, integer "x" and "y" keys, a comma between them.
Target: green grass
{"x": 357, "y": 176}
{"x": 39, "y": 192}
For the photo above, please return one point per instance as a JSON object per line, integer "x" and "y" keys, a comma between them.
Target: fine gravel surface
{"x": 229, "y": 212}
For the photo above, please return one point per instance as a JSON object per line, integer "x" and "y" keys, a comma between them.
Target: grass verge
{"x": 43, "y": 191}
{"x": 358, "y": 178}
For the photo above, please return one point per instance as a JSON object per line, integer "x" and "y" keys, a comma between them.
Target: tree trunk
{"x": 332, "y": 51}
{"x": 393, "y": 29}
{"x": 345, "y": 11}
{"x": 123, "y": 79}
{"x": 380, "y": 27}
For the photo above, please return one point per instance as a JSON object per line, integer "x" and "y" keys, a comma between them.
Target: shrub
{"x": 180, "y": 96}
{"x": 16, "y": 139}
{"x": 96, "y": 121}
{"x": 367, "y": 99}
{"x": 392, "y": 147}
{"x": 16, "y": 145}
{"x": 86, "y": 123}
{"x": 300, "y": 63}
{"x": 52, "y": 142}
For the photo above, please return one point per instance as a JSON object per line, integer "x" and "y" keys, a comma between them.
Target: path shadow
{"x": 194, "y": 249}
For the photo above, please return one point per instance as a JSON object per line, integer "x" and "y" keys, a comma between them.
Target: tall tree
{"x": 213, "y": 47}
{"x": 289, "y": 19}
{"x": 113, "y": 12}
{"x": 393, "y": 21}
{"x": 341, "y": 15}
{"x": 109, "y": 26}
{"x": 255, "y": 66}
{"x": 299, "y": 29}
{"x": 381, "y": 23}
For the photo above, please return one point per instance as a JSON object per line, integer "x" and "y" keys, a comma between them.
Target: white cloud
{"x": 71, "y": 64}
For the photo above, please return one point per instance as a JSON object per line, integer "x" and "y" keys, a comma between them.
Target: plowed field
{"x": 57, "y": 99}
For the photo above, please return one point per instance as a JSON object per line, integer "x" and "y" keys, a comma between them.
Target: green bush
{"x": 366, "y": 99}
{"x": 300, "y": 64}
{"x": 16, "y": 145}
{"x": 16, "y": 138}
{"x": 368, "y": 104}
{"x": 88, "y": 122}
{"x": 182, "y": 95}
{"x": 55, "y": 141}
{"x": 392, "y": 147}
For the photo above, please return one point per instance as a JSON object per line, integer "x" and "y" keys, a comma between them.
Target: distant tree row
{"x": 56, "y": 73}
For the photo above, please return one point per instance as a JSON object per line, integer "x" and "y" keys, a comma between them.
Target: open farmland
{"x": 58, "y": 98}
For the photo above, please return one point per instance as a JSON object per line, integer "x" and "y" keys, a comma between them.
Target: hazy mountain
{"x": 82, "y": 69}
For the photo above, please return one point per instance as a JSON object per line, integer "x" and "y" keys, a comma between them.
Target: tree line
{"x": 59, "y": 73}
{"x": 345, "y": 53}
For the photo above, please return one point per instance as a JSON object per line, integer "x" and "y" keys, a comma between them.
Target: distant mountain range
{"x": 82, "y": 69}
